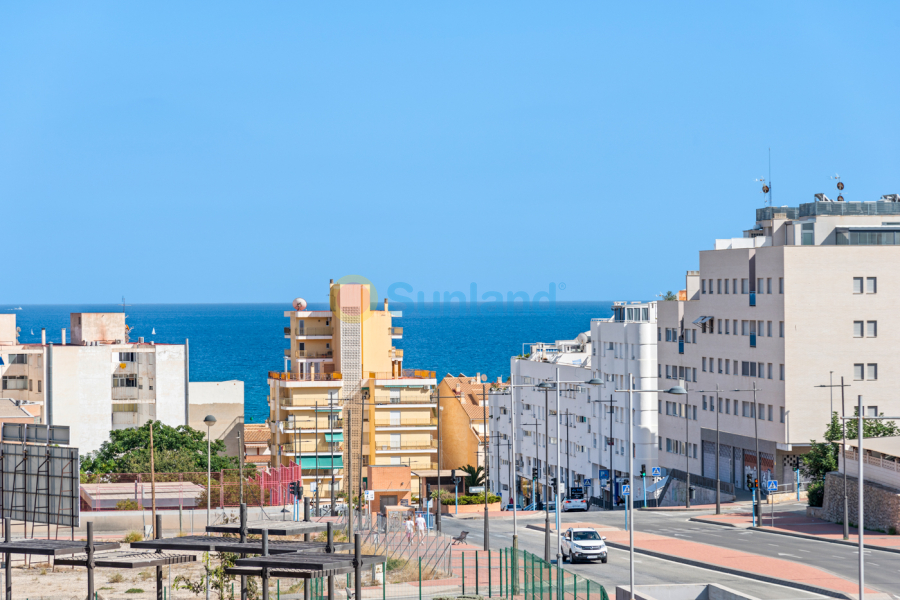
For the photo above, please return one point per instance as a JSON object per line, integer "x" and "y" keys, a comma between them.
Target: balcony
{"x": 403, "y": 374}
{"x": 310, "y": 425}
{"x": 314, "y": 354}
{"x": 423, "y": 445}
{"x": 404, "y": 399}
{"x": 407, "y": 422}
{"x": 311, "y": 446}
{"x": 304, "y": 376}
{"x": 315, "y": 331}
{"x": 396, "y": 353}
{"x": 396, "y": 332}
{"x": 322, "y": 403}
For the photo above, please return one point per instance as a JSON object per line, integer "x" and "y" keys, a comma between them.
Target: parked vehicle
{"x": 583, "y": 543}
{"x": 574, "y": 504}
{"x": 510, "y": 507}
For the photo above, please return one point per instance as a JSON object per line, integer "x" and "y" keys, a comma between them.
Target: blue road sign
{"x": 656, "y": 472}
{"x": 772, "y": 486}
{"x": 626, "y": 490}
{"x": 603, "y": 474}
{"x": 587, "y": 483}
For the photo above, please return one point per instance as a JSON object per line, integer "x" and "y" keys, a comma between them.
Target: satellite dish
{"x": 840, "y": 198}
{"x": 765, "y": 189}
{"x": 121, "y": 365}
{"x": 840, "y": 185}
{"x": 484, "y": 378}
{"x": 299, "y": 304}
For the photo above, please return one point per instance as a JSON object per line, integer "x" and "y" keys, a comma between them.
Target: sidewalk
{"x": 761, "y": 567}
{"x": 800, "y": 525}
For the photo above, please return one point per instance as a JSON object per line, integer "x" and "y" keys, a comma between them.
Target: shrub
{"x": 145, "y": 575}
{"x": 116, "y": 578}
{"x": 127, "y": 505}
{"x": 134, "y": 591}
{"x": 815, "y": 493}
{"x": 133, "y": 536}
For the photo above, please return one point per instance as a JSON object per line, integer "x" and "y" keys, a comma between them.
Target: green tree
{"x": 474, "y": 476}
{"x": 669, "y": 296}
{"x": 179, "y": 449}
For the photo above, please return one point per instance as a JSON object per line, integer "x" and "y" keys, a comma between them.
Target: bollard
{"x": 476, "y": 572}
{"x": 157, "y": 530}
{"x": 357, "y": 566}
{"x": 489, "y": 573}
{"x": 90, "y": 559}
{"x": 265, "y": 570}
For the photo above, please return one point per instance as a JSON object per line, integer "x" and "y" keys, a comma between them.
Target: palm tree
{"x": 474, "y": 476}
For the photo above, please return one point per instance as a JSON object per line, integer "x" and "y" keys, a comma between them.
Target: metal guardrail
{"x": 308, "y": 331}
{"x": 304, "y": 376}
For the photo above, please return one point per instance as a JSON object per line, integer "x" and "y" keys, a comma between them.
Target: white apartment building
{"x": 624, "y": 345}
{"x": 586, "y": 425}
{"x": 96, "y": 382}
{"x": 808, "y": 292}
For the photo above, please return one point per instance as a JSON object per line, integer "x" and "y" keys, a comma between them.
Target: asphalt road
{"x": 648, "y": 570}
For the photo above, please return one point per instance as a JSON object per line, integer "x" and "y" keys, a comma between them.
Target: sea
{"x": 245, "y": 341}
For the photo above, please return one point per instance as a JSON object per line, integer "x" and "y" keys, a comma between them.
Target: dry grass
{"x": 133, "y": 536}
{"x": 116, "y": 578}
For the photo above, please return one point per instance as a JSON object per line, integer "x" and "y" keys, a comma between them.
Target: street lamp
{"x": 755, "y": 414}
{"x": 210, "y": 421}
{"x": 677, "y": 390}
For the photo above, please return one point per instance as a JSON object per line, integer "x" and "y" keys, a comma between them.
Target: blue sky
{"x": 216, "y": 152}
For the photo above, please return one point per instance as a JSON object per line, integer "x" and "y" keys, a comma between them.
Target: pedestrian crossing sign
{"x": 772, "y": 486}
{"x": 626, "y": 490}
{"x": 656, "y": 472}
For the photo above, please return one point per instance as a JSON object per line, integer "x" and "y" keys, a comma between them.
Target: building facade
{"x": 464, "y": 430}
{"x": 344, "y": 400}
{"x": 97, "y": 381}
{"x": 801, "y": 300}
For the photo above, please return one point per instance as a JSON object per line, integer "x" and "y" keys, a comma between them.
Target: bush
{"x": 473, "y": 499}
{"x": 133, "y": 536}
{"x": 815, "y": 493}
{"x": 116, "y": 578}
{"x": 134, "y": 591}
{"x": 127, "y": 505}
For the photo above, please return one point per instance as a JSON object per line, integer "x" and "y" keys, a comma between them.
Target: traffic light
{"x": 756, "y": 484}
{"x": 295, "y": 489}
{"x": 534, "y": 473}
{"x": 428, "y": 490}
{"x": 643, "y": 470}
{"x": 749, "y": 482}
{"x": 453, "y": 474}
{"x": 553, "y": 482}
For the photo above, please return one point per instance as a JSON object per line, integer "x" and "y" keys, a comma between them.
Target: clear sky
{"x": 244, "y": 152}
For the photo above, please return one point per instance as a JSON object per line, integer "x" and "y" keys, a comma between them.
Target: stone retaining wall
{"x": 882, "y": 503}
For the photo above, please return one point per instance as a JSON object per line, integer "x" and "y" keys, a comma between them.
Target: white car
{"x": 583, "y": 543}
{"x": 574, "y": 504}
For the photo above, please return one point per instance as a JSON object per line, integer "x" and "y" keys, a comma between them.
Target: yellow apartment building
{"x": 464, "y": 427}
{"x": 344, "y": 400}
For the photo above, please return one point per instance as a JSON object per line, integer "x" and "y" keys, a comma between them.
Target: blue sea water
{"x": 244, "y": 341}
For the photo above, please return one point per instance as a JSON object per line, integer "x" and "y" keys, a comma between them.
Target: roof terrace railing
{"x": 403, "y": 374}
{"x": 304, "y": 376}
{"x": 849, "y": 208}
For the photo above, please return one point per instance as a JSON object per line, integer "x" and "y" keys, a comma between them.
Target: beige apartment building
{"x": 803, "y": 298}
{"x": 344, "y": 400}
{"x": 465, "y": 430}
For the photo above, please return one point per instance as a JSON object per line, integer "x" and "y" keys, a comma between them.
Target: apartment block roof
{"x": 255, "y": 433}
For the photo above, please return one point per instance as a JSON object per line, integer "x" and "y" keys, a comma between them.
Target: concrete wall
{"x": 882, "y": 503}
{"x": 225, "y": 401}
{"x": 97, "y": 327}
{"x": 8, "y": 329}
{"x": 82, "y": 393}
{"x": 170, "y": 384}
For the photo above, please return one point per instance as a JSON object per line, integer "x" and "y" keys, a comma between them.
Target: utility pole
{"x": 484, "y": 413}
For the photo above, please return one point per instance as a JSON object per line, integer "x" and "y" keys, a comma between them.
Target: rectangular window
{"x": 871, "y": 285}
{"x": 871, "y": 371}
{"x": 18, "y": 359}
{"x": 745, "y": 328}
{"x": 704, "y": 402}
{"x": 781, "y": 285}
{"x": 760, "y": 370}
{"x": 702, "y": 286}
{"x": 759, "y": 285}
{"x": 15, "y": 382}
{"x": 781, "y": 329}
{"x": 858, "y": 330}
{"x": 871, "y": 411}
{"x": 126, "y": 381}
{"x": 770, "y": 418}
{"x": 745, "y": 409}
{"x": 668, "y": 372}
{"x": 127, "y": 357}
{"x": 871, "y": 328}
{"x": 668, "y": 334}
{"x": 720, "y": 365}
{"x": 727, "y": 328}
{"x": 727, "y": 366}
{"x": 720, "y": 409}
{"x": 40, "y": 382}
{"x": 659, "y": 338}
{"x": 695, "y": 418}
{"x": 770, "y": 375}
{"x": 668, "y": 445}
{"x": 704, "y": 363}
{"x": 728, "y": 406}
{"x": 720, "y": 325}
{"x": 719, "y": 286}
{"x": 694, "y": 373}
{"x": 807, "y": 234}
{"x": 734, "y": 286}
{"x": 781, "y": 412}
{"x": 659, "y": 370}
{"x": 745, "y": 368}
{"x": 781, "y": 372}
{"x": 745, "y": 286}
{"x": 857, "y": 285}
{"x": 769, "y": 330}
{"x": 768, "y": 285}
{"x": 680, "y": 372}
{"x": 30, "y": 385}
{"x": 858, "y": 371}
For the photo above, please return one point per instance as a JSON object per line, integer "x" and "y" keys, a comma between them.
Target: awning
{"x": 328, "y": 409}
{"x": 701, "y": 320}
{"x": 325, "y": 462}
{"x": 334, "y": 437}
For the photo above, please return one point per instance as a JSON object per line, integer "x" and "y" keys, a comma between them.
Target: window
{"x": 759, "y": 285}
{"x": 871, "y": 285}
{"x": 680, "y": 372}
{"x": 871, "y": 411}
{"x": 781, "y": 372}
{"x": 127, "y": 357}
{"x": 720, "y": 325}
{"x": 734, "y": 286}
{"x": 760, "y": 370}
{"x": 710, "y": 286}
{"x": 871, "y": 328}
{"x": 858, "y": 329}
{"x": 727, "y": 331}
{"x": 127, "y": 381}
{"x": 807, "y": 234}
{"x": 857, "y": 285}
{"x": 15, "y": 382}
{"x": 658, "y": 334}
{"x": 668, "y": 445}
{"x": 720, "y": 365}
{"x": 719, "y": 285}
{"x": 694, "y": 373}
{"x": 668, "y": 334}
{"x": 720, "y": 410}
{"x": 745, "y": 286}
{"x": 702, "y": 286}
{"x": 668, "y": 372}
{"x": 704, "y": 402}
{"x": 768, "y": 329}
{"x": 781, "y": 285}
{"x": 858, "y": 371}
{"x": 770, "y": 417}
{"x": 727, "y": 365}
{"x": 871, "y": 371}
{"x": 781, "y": 411}
{"x": 745, "y": 328}
{"x": 40, "y": 382}
{"x": 745, "y": 409}
{"x": 728, "y": 406}
{"x": 695, "y": 416}
{"x": 18, "y": 359}
{"x": 770, "y": 370}
{"x": 659, "y": 370}
{"x": 781, "y": 329}
{"x": 726, "y": 286}
{"x": 704, "y": 363}
{"x": 659, "y": 409}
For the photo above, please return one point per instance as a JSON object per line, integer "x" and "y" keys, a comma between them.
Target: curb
{"x": 730, "y": 571}
{"x": 677, "y": 508}
{"x": 804, "y": 536}
{"x": 720, "y": 524}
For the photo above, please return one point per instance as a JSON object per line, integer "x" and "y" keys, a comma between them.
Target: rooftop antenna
{"x": 122, "y": 304}
{"x": 840, "y": 187}
{"x": 767, "y": 187}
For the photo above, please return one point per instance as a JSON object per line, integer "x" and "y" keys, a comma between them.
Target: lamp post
{"x": 677, "y": 390}
{"x": 546, "y": 487}
{"x": 612, "y": 485}
{"x": 843, "y": 445}
{"x": 210, "y": 421}
{"x": 755, "y": 414}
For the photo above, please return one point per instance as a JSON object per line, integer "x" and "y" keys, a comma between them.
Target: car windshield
{"x": 580, "y": 536}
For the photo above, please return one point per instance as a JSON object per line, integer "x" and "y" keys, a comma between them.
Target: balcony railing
{"x": 304, "y": 376}
{"x": 287, "y": 331}
{"x": 310, "y": 424}
{"x": 314, "y": 354}
{"x": 312, "y": 446}
{"x": 320, "y": 402}
{"x": 402, "y": 374}
{"x": 397, "y": 352}
{"x": 396, "y": 330}
{"x": 314, "y": 331}
{"x": 404, "y": 399}
{"x": 407, "y": 422}
{"x": 423, "y": 445}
